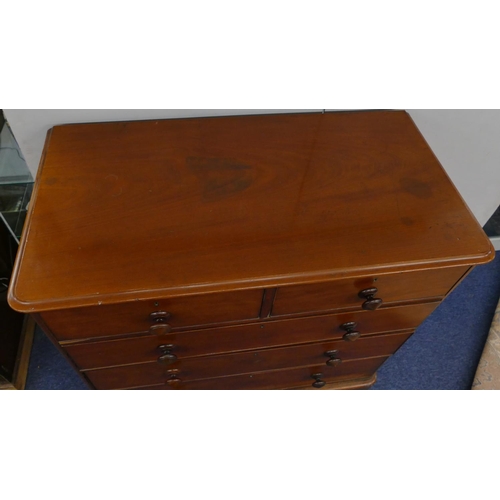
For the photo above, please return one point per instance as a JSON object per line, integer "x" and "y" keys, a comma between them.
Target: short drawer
{"x": 340, "y": 294}
{"x": 283, "y": 379}
{"x": 120, "y": 319}
{"x": 229, "y": 339}
{"x": 327, "y": 354}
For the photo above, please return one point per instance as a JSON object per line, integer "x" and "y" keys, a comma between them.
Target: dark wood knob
{"x": 332, "y": 354}
{"x": 159, "y": 316}
{"x": 351, "y": 334}
{"x": 174, "y": 380}
{"x": 167, "y": 359}
{"x": 166, "y": 348}
{"x": 318, "y": 384}
{"x": 334, "y": 358}
{"x": 351, "y": 325}
{"x": 160, "y": 329}
{"x": 371, "y": 303}
{"x": 173, "y": 377}
{"x": 334, "y": 362}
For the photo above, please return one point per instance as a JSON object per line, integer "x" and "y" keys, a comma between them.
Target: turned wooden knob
{"x": 334, "y": 362}
{"x": 351, "y": 334}
{"x": 174, "y": 380}
{"x": 160, "y": 326}
{"x": 318, "y": 384}
{"x": 173, "y": 377}
{"x": 371, "y": 303}
{"x": 334, "y": 359}
{"x": 167, "y": 357}
{"x": 159, "y": 316}
{"x": 160, "y": 329}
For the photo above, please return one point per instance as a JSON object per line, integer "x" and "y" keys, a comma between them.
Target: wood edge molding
{"x": 28, "y": 307}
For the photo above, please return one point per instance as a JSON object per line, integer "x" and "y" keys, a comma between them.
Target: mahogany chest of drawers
{"x": 260, "y": 252}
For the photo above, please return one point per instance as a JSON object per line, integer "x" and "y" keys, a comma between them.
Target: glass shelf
{"x": 16, "y": 330}
{"x": 16, "y": 182}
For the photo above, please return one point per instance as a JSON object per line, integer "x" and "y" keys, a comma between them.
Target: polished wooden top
{"x": 125, "y": 211}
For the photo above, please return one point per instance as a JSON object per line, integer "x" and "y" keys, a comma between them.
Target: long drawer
{"x": 333, "y": 353}
{"x": 134, "y": 317}
{"x": 283, "y": 379}
{"x": 344, "y": 293}
{"x": 246, "y": 337}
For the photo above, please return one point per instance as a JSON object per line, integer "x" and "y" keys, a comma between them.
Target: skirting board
{"x": 496, "y": 242}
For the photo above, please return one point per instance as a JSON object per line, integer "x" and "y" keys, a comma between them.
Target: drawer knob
{"x": 173, "y": 377}
{"x": 167, "y": 357}
{"x": 159, "y": 316}
{"x": 334, "y": 359}
{"x": 160, "y": 329}
{"x": 318, "y": 384}
{"x": 173, "y": 380}
{"x": 371, "y": 303}
{"x": 166, "y": 348}
{"x": 351, "y": 334}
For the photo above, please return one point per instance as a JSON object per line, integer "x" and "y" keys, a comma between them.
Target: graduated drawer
{"x": 321, "y": 354}
{"x": 133, "y": 317}
{"x": 344, "y": 293}
{"x": 282, "y": 379}
{"x": 247, "y": 337}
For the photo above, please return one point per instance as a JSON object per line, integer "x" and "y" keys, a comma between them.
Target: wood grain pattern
{"x": 249, "y": 362}
{"x": 176, "y": 207}
{"x": 133, "y": 317}
{"x": 245, "y": 337}
{"x": 340, "y": 294}
{"x": 148, "y": 375}
{"x": 249, "y": 238}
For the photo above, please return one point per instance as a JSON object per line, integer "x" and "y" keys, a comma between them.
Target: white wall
{"x": 30, "y": 126}
{"x": 467, "y": 142}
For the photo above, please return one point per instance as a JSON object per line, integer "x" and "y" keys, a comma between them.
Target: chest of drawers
{"x": 260, "y": 252}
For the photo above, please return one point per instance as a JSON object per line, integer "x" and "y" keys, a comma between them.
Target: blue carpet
{"x": 442, "y": 355}
{"x": 444, "y": 352}
{"x": 49, "y": 369}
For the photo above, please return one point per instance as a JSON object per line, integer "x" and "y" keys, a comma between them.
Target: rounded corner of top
{"x": 17, "y": 303}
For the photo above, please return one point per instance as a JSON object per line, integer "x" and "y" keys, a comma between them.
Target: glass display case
{"x": 16, "y": 330}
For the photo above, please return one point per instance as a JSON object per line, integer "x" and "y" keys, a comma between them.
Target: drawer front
{"x": 134, "y": 317}
{"x": 283, "y": 379}
{"x": 320, "y": 354}
{"x": 248, "y": 337}
{"x": 341, "y": 294}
